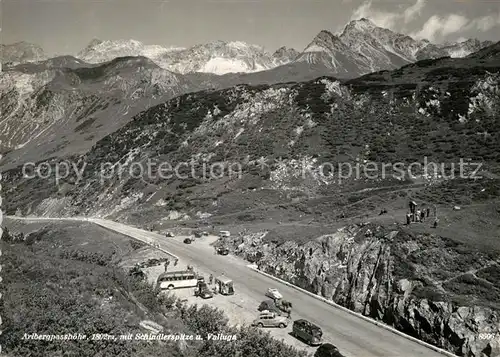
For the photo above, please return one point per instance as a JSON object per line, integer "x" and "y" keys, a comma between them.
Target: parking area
{"x": 239, "y": 308}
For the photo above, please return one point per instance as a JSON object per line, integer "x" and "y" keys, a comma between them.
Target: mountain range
{"x": 64, "y": 105}
{"x": 371, "y": 117}
{"x": 361, "y": 48}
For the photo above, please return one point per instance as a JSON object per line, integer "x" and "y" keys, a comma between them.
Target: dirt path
{"x": 472, "y": 271}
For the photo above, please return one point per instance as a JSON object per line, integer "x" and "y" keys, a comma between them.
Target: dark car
{"x": 202, "y": 290}
{"x": 307, "y": 331}
{"x": 328, "y": 350}
{"x": 222, "y": 251}
{"x": 187, "y": 241}
{"x": 269, "y": 305}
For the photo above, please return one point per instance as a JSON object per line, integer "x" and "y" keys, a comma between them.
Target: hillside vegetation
{"x": 65, "y": 280}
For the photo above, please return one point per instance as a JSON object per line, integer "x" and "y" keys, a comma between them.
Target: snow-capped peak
{"x": 240, "y": 45}
{"x": 219, "y": 57}
{"x": 98, "y": 51}
{"x": 465, "y": 47}
{"x": 362, "y": 24}
{"x": 360, "y": 48}
{"x": 21, "y": 52}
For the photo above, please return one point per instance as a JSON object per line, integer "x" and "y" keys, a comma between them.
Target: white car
{"x": 274, "y": 294}
{"x": 269, "y": 319}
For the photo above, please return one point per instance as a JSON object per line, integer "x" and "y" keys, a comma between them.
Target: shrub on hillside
{"x": 205, "y": 319}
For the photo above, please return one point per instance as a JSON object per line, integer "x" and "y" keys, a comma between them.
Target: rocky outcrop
{"x": 414, "y": 283}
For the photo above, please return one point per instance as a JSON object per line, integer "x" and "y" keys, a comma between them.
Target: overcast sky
{"x": 66, "y": 26}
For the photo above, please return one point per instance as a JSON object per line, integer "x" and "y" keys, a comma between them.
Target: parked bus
{"x": 177, "y": 279}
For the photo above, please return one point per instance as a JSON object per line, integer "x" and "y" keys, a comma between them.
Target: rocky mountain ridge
{"x": 99, "y": 51}
{"x": 21, "y": 52}
{"x": 24, "y": 86}
{"x": 362, "y": 47}
{"x": 63, "y": 102}
{"x": 24, "y": 120}
{"x": 218, "y": 57}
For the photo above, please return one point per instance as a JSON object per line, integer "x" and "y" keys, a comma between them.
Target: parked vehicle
{"x": 169, "y": 235}
{"x": 197, "y": 234}
{"x": 328, "y": 350}
{"x": 283, "y": 305}
{"x": 269, "y": 305}
{"x": 177, "y": 279}
{"x": 202, "y": 290}
{"x": 270, "y": 319}
{"x": 224, "y": 234}
{"x": 224, "y": 285}
{"x": 307, "y": 331}
{"x": 273, "y": 294}
{"x": 222, "y": 251}
{"x": 188, "y": 240}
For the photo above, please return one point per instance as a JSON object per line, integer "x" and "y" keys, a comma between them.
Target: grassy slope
{"x": 51, "y": 290}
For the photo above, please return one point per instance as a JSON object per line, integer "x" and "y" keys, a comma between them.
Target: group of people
{"x": 167, "y": 263}
{"x": 420, "y": 215}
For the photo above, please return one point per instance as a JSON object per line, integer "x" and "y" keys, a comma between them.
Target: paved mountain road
{"x": 354, "y": 336}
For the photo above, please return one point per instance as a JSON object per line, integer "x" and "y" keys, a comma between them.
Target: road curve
{"x": 354, "y": 336}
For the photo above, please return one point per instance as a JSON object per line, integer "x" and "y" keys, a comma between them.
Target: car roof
{"x": 328, "y": 345}
{"x": 305, "y": 322}
{"x": 224, "y": 280}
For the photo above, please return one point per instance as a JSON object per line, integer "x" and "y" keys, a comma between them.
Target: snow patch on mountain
{"x": 222, "y": 66}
